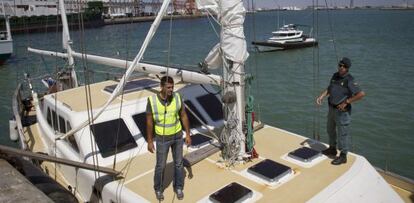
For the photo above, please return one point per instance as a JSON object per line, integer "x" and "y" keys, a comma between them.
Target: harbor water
{"x": 380, "y": 44}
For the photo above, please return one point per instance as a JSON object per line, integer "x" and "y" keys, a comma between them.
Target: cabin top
{"x": 76, "y": 98}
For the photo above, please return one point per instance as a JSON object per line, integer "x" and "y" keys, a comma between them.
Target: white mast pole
{"x": 9, "y": 36}
{"x": 66, "y": 42}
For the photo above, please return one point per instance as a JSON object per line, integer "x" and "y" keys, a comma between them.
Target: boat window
{"x": 68, "y": 126}
{"x": 194, "y": 122}
{"x": 141, "y": 121}
{"x": 112, "y": 137}
{"x": 71, "y": 138}
{"x": 62, "y": 127}
{"x": 55, "y": 123}
{"x": 72, "y": 143}
{"x": 212, "y": 105}
{"x": 49, "y": 117}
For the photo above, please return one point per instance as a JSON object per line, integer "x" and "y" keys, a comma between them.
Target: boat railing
{"x": 18, "y": 109}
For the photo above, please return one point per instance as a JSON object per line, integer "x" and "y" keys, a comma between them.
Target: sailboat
{"x": 100, "y": 130}
{"x": 6, "y": 41}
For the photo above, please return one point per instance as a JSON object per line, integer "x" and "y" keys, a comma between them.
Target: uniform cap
{"x": 345, "y": 61}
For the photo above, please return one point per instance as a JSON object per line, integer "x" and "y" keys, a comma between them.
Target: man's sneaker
{"x": 159, "y": 195}
{"x": 341, "y": 159}
{"x": 180, "y": 194}
{"x": 331, "y": 151}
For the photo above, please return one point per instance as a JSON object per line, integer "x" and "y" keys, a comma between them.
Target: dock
{"x": 14, "y": 187}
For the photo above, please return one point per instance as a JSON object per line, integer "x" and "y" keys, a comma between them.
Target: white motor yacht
{"x": 287, "y": 37}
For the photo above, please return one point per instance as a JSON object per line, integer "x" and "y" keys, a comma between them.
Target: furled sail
{"x": 231, "y": 19}
{"x": 230, "y": 53}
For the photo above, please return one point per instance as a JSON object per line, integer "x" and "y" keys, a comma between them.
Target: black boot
{"x": 341, "y": 159}
{"x": 331, "y": 151}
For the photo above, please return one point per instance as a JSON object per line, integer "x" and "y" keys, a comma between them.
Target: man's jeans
{"x": 163, "y": 143}
{"x": 339, "y": 124}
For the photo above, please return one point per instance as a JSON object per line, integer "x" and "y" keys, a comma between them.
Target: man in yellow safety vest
{"x": 165, "y": 116}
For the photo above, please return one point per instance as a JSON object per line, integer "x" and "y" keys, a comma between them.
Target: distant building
{"x": 40, "y": 7}
{"x": 30, "y": 7}
{"x": 121, "y": 8}
{"x": 112, "y": 8}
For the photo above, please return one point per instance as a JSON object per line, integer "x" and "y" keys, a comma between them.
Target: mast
{"x": 66, "y": 41}
{"x": 231, "y": 52}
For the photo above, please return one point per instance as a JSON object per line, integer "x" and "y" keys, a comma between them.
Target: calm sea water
{"x": 380, "y": 44}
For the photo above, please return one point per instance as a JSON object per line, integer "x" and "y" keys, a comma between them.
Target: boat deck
{"x": 209, "y": 175}
{"x": 271, "y": 143}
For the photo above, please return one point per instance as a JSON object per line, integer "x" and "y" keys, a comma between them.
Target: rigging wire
{"x": 121, "y": 182}
{"x": 255, "y": 64}
{"x": 331, "y": 31}
{"x": 209, "y": 17}
{"x": 316, "y": 73}
{"x": 54, "y": 115}
{"x": 87, "y": 89}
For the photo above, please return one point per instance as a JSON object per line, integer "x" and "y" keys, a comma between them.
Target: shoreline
{"x": 36, "y": 28}
{"x": 149, "y": 19}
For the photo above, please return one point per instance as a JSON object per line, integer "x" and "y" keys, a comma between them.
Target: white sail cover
{"x": 231, "y": 17}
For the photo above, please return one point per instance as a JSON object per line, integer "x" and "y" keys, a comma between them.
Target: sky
{"x": 305, "y": 3}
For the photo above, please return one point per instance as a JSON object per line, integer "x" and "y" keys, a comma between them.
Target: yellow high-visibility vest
{"x": 166, "y": 119}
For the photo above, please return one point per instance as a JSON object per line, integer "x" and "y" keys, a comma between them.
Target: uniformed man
{"x": 165, "y": 114}
{"x": 342, "y": 91}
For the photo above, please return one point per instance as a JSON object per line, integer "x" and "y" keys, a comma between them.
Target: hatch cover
{"x": 233, "y": 192}
{"x": 269, "y": 170}
{"x": 305, "y": 154}
{"x": 135, "y": 85}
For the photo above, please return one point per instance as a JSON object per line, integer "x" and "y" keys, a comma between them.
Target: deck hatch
{"x": 199, "y": 140}
{"x": 141, "y": 122}
{"x": 212, "y": 106}
{"x": 232, "y": 192}
{"x": 105, "y": 135}
{"x": 269, "y": 170}
{"x": 304, "y": 154}
{"x": 194, "y": 122}
{"x": 135, "y": 85}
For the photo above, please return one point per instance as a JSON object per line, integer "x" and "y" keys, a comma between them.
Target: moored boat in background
{"x": 287, "y": 37}
{"x": 6, "y": 41}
